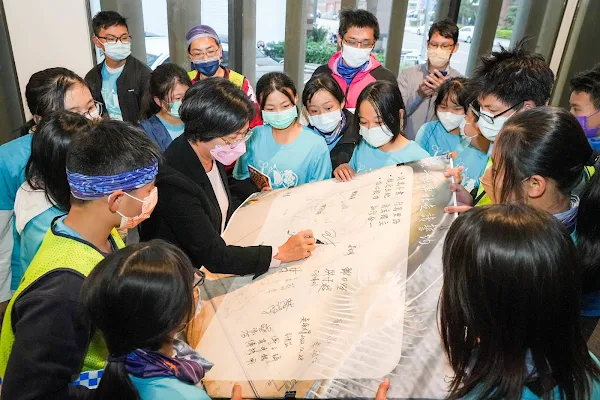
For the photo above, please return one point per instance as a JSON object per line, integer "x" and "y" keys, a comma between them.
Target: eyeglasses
{"x": 209, "y": 53}
{"x": 97, "y": 106}
{"x": 445, "y": 46}
{"x": 199, "y": 277}
{"x": 490, "y": 118}
{"x": 365, "y": 44}
{"x": 239, "y": 139}
{"x": 125, "y": 38}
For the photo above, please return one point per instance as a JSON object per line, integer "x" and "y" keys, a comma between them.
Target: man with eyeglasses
{"x": 120, "y": 81}
{"x": 419, "y": 84}
{"x": 354, "y": 67}
{"x": 206, "y": 54}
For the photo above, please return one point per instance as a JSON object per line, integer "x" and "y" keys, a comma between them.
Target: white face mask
{"x": 490, "y": 131}
{"x": 327, "y": 122}
{"x": 463, "y": 134}
{"x": 377, "y": 136}
{"x": 117, "y": 51}
{"x": 438, "y": 58}
{"x": 449, "y": 120}
{"x": 355, "y": 57}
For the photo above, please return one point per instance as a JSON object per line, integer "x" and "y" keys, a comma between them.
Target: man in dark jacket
{"x": 355, "y": 67}
{"x": 121, "y": 81}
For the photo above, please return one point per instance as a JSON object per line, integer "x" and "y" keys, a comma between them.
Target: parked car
{"x": 466, "y": 33}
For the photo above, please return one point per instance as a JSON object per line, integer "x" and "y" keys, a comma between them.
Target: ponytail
{"x": 116, "y": 383}
{"x": 588, "y": 229}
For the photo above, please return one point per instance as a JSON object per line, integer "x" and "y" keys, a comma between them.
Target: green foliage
{"x": 318, "y": 34}
{"x": 504, "y": 33}
{"x": 511, "y": 16}
{"x": 275, "y": 50}
{"x": 319, "y": 53}
{"x": 468, "y": 10}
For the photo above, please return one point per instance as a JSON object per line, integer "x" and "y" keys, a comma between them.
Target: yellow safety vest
{"x": 58, "y": 252}
{"x": 482, "y": 198}
{"x": 234, "y": 77}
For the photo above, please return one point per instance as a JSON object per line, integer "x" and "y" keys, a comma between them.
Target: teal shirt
{"x": 171, "y": 388}
{"x": 304, "y": 160}
{"x": 109, "y": 92}
{"x": 367, "y": 158}
{"x": 436, "y": 140}
{"x": 174, "y": 130}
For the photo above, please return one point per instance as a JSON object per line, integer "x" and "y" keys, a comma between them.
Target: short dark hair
{"x": 162, "y": 82}
{"x": 321, "y": 82}
{"x": 214, "y": 108}
{"x": 446, "y": 28}
{"x": 45, "y": 92}
{"x": 132, "y": 311}
{"x": 106, "y": 19}
{"x": 359, "y": 18}
{"x": 588, "y": 82}
{"x": 515, "y": 75}
{"x": 275, "y": 82}
{"x": 111, "y": 148}
{"x": 512, "y": 288}
{"x": 533, "y": 142}
{"x": 387, "y": 101}
{"x": 45, "y": 169}
{"x": 458, "y": 90}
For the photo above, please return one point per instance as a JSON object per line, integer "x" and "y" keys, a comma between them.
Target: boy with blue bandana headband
{"x": 46, "y": 338}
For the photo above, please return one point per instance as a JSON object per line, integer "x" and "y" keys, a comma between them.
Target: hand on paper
{"x": 267, "y": 189}
{"x": 344, "y": 173}
{"x": 455, "y": 173}
{"x": 236, "y": 393}
{"x": 297, "y": 247}
{"x": 383, "y": 388}
{"x": 464, "y": 200}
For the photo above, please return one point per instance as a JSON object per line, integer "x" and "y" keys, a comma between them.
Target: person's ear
{"x": 343, "y": 104}
{"x": 97, "y": 42}
{"x": 455, "y": 48}
{"x": 36, "y": 119}
{"x": 220, "y": 51}
{"x": 157, "y": 101}
{"x": 528, "y": 105}
{"x": 339, "y": 42}
{"x": 535, "y": 186}
{"x": 114, "y": 200}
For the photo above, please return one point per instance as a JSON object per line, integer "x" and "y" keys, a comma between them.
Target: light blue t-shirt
{"x": 304, "y": 160}
{"x": 109, "y": 91}
{"x": 174, "y": 130}
{"x": 367, "y": 158}
{"x": 436, "y": 140}
{"x": 167, "y": 388}
{"x": 13, "y": 159}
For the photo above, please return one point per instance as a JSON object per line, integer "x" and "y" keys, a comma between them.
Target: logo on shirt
{"x": 287, "y": 178}
{"x": 362, "y": 168}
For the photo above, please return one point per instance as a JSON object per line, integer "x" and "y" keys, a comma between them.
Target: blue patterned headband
{"x": 85, "y": 187}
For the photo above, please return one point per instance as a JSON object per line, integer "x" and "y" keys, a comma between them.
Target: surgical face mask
{"x": 376, "y": 136}
{"x": 174, "y": 109}
{"x": 463, "y": 134}
{"x": 117, "y": 51}
{"x": 327, "y": 122}
{"x": 438, "y": 58}
{"x": 207, "y": 67}
{"x": 490, "y": 131}
{"x": 280, "y": 119}
{"x": 226, "y": 155}
{"x": 148, "y": 205}
{"x": 355, "y": 57}
{"x": 583, "y": 121}
{"x": 449, "y": 120}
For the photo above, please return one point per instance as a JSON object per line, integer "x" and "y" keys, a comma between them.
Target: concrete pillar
{"x": 181, "y": 16}
{"x": 242, "y": 37}
{"x": 295, "y": 40}
{"x": 396, "y": 35}
{"x": 485, "y": 27}
{"x": 133, "y": 11}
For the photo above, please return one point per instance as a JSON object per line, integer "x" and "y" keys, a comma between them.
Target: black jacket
{"x": 132, "y": 86}
{"x": 188, "y": 215}
{"x": 342, "y": 152}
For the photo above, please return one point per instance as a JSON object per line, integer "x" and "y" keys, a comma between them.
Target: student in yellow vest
{"x": 46, "y": 339}
{"x": 206, "y": 54}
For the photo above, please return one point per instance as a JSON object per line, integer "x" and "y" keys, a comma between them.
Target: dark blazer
{"x": 344, "y": 148}
{"x": 132, "y": 86}
{"x": 188, "y": 215}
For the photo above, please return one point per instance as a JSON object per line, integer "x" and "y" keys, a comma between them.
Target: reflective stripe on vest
{"x": 234, "y": 77}
{"x": 58, "y": 252}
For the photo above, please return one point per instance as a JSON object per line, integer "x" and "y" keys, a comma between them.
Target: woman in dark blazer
{"x": 194, "y": 198}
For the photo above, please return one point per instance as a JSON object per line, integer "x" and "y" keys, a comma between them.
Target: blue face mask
{"x": 207, "y": 67}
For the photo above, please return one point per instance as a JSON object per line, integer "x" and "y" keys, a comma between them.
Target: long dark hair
{"x": 387, "y": 101}
{"x": 588, "y": 232}
{"x": 214, "y": 108}
{"x": 162, "y": 82}
{"x": 46, "y": 167}
{"x": 136, "y": 296}
{"x": 512, "y": 290}
{"x": 545, "y": 141}
{"x": 45, "y": 92}
{"x": 275, "y": 82}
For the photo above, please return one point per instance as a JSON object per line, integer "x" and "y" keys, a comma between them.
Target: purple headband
{"x": 86, "y": 187}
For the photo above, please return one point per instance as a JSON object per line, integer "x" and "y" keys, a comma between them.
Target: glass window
{"x": 419, "y": 17}
{"x": 270, "y": 36}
